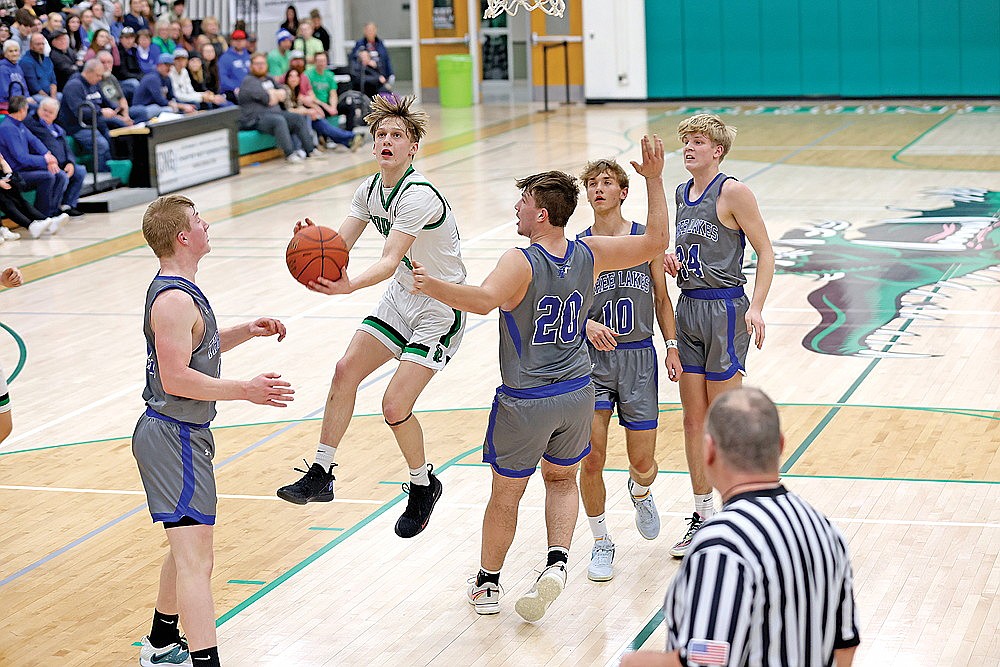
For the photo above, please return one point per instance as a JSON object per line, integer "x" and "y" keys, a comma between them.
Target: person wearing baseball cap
{"x": 234, "y": 65}
{"x": 156, "y": 92}
{"x": 184, "y": 90}
{"x": 277, "y": 59}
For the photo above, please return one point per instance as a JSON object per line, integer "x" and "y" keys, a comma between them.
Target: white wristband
{"x": 670, "y": 343}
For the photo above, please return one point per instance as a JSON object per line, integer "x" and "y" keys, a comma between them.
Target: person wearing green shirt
{"x": 324, "y": 84}
{"x": 277, "y": 59}
{"x": 162, "y": 39}
{"x": 308, "y": 44}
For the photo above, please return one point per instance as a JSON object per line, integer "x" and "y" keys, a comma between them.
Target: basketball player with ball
{"x": 423, "y": 333}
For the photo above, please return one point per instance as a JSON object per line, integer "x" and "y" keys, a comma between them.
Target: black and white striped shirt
{"x": 766, "y": 582}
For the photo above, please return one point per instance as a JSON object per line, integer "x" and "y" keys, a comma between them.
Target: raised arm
{"x": 621, "y": 252}
{"x": 503, "y": 288}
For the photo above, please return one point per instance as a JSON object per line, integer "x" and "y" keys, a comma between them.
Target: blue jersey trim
{"x": 603, "y": 405}
{"x": 697, "y": 370}
{"x": 734, "y": 360}
{"x": 490, "y": 455}
{"x": 687, "y": 189}
{"x": 547, "y": 390}
{"x": 186, "y": 282}
{"x": 557, "y": 260}
{"x": 644, "y": 425}
{"x": 636, "y": 344}
{"x": 204, "y": 519}
{"x": 515, "y": 334}
{"x": 708, "y": 294}
{"x": 150, "y": 412}
{"x": 568, "y": 462}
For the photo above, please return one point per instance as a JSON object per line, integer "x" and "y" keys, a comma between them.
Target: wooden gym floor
{"x": 884, "y": 218}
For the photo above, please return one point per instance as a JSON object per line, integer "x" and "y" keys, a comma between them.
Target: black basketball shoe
{"x": 316, "y": 486}
{"x": 419, "y": 506}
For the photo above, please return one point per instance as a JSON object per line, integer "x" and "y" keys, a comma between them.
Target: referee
{"x": 767, "y": 581}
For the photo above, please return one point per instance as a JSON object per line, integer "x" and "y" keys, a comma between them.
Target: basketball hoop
{"x": 497, "y": 7}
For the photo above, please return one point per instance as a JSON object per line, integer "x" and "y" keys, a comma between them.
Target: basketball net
{"x": 497, "y": 7}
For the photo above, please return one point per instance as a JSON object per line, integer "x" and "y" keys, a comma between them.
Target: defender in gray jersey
{"x": 716, "y": 215}
{"x": 543, "y": 409}
{"x": 620, "y": 332}
{"x": 424, "y": 334}
{"x": 768, "y": 581}
{"x": 11, "y": 277}
{"x": 172, "y": 444}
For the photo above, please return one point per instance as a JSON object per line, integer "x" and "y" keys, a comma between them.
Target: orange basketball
{"x": 316, "y": 251}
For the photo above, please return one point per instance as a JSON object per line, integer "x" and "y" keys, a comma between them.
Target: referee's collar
{"x": 772, "y": 492}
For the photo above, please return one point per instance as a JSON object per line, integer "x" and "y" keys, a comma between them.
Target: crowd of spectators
{"x": 113, "y": 61}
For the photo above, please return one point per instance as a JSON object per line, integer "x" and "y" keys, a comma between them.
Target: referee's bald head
{"x": 745, "y": 427}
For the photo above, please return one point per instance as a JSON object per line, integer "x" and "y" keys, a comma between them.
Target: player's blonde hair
{"x": 393, "y": 106}
{"x": 554, "y": 191}
{"x": 712, "y": 127}
{"x": 163, "y": 220}
{"x": 595, "y": 168}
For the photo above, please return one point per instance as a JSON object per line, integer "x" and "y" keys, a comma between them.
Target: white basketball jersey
{"x": 415, "y": 207}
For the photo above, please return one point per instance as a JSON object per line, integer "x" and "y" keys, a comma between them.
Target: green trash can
{"x": 455, "y": 80}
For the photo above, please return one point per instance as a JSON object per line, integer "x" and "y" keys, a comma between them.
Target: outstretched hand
{"x": 267, "y": 389}
{"x": 652, "y": 158}
{"x": 11, "y": 277}
{"x": 302, "y": 224}
{"x": 267, "y": 326}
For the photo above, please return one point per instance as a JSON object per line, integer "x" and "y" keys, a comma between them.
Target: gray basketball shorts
{"x": 712, "y": 337}
{"x": 175, "y": 464}
{"x": 416, "y": 327}
{"x": 627, "y": 378}
{"x": 4, "y": 392}
{"x": 550, "y": 422}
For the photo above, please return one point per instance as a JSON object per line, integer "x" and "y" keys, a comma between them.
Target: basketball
{"x": 316, "y": 251}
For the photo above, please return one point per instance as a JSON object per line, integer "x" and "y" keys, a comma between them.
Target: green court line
{"x": 323, "y": 528}
{"x": 22, "y": 352}
{"x": 295, "y": 569}
{"x": 249, "y": 582}
{"x": 646, "y": 631}
{"x": 895, "y": 156}
{"x": 390, "y": 482}
{"x": 979, "y": 413}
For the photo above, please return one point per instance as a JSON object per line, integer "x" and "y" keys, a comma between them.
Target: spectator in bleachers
{"x": 100, "y": 19}
{"x": 115, "y": 93}
{"x": 4, "y": 32}
{"x": 371, "y": 68}
{"x": 156, "y": 90}
{"x": 84, "y": 88}
{"x": 29, "y": 5}
{"x": 319, "y": 32}
{"x": 184, "y": 90}
{"x": 36, "y": 29}
{"x": 42, "y": 124}
{"x": 117, "y": 20}
{"x": 209, "y": 78}
{"x": 129, "y": 70}
{"x": 307, "y": 43}
{"x": 147, "y": 53}
{"x": 163, "y": 39}
{"x": 177, "y": 11}
{"x": 305, "y": 104}
{"x": 260, "y": 109}
{"x": 234, "y": 65}
{"x": 186, "y": 40}
{"x": 210, "y": 28}
{"x": 277, "y": 59}
{"x": 39, "y": 72}
{"x": 12, "y": 81}
{"x": 291, "y": 23}
{"x": 87, "y": 23}
{"x": 136, "y": 18}
{"x": 63, "y": 62}
{"x": 102, "y": 41}
{"x": 20, "y": 31}
{"x": 16, "y": 208}
{"x": 31, "y": 160}
{"x": 78, "y": 42}
{"x": 324, "y": 84}
{"x": 55, "y": 22}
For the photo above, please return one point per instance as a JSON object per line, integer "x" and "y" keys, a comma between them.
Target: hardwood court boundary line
{"x": 79, "y": 257}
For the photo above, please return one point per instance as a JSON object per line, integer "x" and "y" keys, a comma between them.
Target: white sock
{"x": 704, "y": 505}
{"x": 325, "y": 455}
{"x": 638, "y": 490}
{"x": 598, "y": 527}
{"x": 419, "y": 476}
